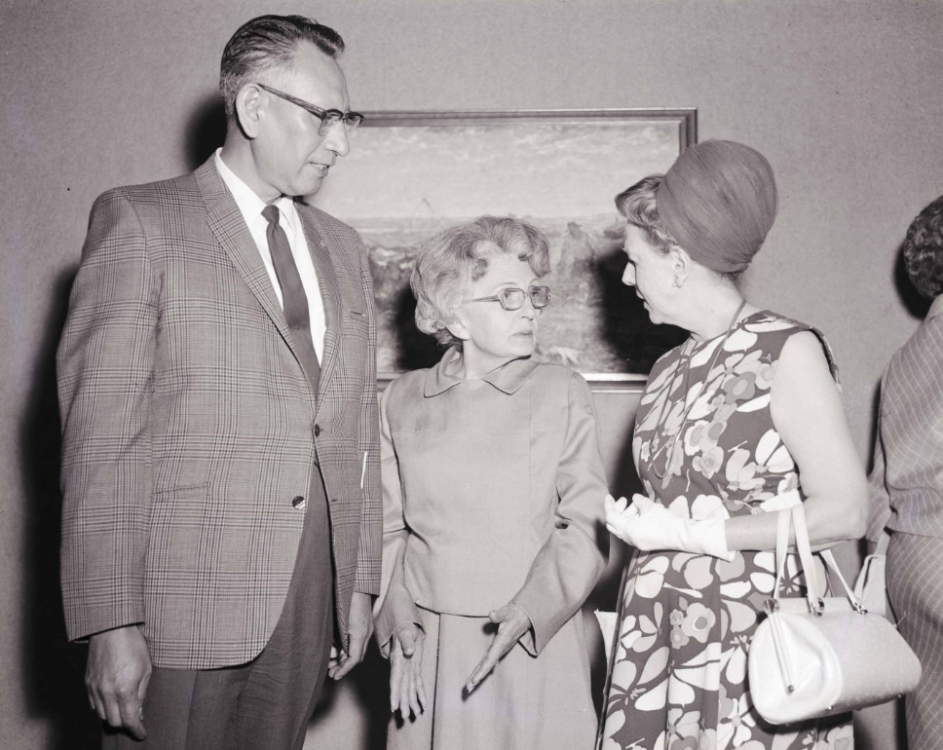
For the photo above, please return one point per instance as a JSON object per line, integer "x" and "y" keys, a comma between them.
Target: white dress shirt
{"x": 251, "y": 207}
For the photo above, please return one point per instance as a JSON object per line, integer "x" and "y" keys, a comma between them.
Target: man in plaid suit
{"x": 222, "y": 512}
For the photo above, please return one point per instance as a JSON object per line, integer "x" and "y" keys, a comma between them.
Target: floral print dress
{"x": 679, "y": 675}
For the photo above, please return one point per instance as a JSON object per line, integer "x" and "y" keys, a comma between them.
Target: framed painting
{"x": 410, "y": 175}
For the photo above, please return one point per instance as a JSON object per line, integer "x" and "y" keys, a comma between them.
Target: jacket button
{"x": 297, "y": 502}
{"x": 317, "y": 430}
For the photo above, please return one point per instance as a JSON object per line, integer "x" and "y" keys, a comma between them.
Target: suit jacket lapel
{"x": 330, "y": 297}
{"x": 229, "y": 226}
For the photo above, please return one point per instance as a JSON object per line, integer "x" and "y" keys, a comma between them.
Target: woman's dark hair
{"x": 923, "y": 250}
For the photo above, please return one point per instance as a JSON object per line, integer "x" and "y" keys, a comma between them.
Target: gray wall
{"x": 842, "y": 97}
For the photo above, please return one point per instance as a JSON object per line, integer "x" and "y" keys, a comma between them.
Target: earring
{"x": 676, "y": 283}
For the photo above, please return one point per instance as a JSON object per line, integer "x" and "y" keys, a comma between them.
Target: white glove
{"x": 647, "y": 525}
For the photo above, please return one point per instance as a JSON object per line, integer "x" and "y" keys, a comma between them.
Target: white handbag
{"x": 815, "y": 656}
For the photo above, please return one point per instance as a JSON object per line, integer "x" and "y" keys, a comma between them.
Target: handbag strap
{"x": 804, "y": 547}
{"x": 883, "y": 542}
{"x": 782, "y": 547}
{"x": 797, "y": 515}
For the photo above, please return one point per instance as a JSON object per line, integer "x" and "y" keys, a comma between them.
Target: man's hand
{"x": 359, "y": 630}
{"x": 407, "y": 691}
{"x": 512, "y": 622}
{"x": 116, "y": 678}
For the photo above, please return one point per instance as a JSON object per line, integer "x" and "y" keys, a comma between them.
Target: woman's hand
{"x": 512, "y": 623}
{"x": 407, "y": 691}
{"x": 648, "y": 525}
{"x": 621, "y": 517}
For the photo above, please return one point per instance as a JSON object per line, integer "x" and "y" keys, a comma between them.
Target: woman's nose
{"x": 528, "y": 310}
{"x": 628, "y": 276}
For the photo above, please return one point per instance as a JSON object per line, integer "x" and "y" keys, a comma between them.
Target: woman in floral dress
{"x": 742, "y": 419}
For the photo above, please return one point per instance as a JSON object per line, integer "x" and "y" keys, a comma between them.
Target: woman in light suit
{"x": 907, "y": 479}
{"x": 493, "y": 510}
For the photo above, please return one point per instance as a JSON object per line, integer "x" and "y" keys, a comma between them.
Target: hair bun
{"x": 719, "y": 201}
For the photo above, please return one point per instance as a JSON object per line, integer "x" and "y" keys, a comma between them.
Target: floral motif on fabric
{"x": 706, "y": 447}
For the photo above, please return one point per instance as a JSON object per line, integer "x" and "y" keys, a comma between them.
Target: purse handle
{"x": 797, "y": 514}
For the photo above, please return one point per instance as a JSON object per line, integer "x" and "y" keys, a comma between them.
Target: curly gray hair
{"x": 458, "y": 256}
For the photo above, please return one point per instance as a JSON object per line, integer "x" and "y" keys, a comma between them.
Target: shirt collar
{"x": 249, "y": 203}
{"x": 508, "y": 378}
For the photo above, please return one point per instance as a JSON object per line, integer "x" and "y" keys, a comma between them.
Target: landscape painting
{"x": 410, "y": 175}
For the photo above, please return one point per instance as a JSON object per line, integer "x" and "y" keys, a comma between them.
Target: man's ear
{"x": 249, "y": 112}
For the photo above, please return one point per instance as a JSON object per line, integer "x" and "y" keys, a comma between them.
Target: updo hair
{"x": 638, "y": 205}
{"x": 923, "y": 250}
{"x": 448, "y": 262}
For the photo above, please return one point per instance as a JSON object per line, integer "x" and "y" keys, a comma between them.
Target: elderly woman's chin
{"x": 523, "y": 344}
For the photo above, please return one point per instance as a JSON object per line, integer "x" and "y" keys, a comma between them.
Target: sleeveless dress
{"x": 679, "y": 674}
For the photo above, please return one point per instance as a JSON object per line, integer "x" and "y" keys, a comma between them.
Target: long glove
{"x": 647, "y": 525}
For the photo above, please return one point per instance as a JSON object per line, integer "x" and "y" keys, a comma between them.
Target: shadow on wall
{"x": 206, "y": 131}
{"x": 626, "y": 326}
{"x": 53, "y": 669}
{"x": 370, "y": 681}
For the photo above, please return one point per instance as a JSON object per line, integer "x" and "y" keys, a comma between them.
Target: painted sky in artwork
{"x": 523, "y": 167}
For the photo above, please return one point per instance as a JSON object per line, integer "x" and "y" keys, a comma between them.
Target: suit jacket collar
{"x": 229, "y": 227}
{"x": 330, "y": 294}
{"x": 508, "y": 378}
{"x": 936, "y": 307}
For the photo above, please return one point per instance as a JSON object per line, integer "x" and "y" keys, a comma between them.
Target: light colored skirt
{"x": 525, "y": 703}
{"x": 915, "y": 588}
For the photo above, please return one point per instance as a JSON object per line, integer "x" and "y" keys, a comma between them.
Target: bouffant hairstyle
{"x": 451, "y": 260}
{"x": 638, "y": 205}
{"x": 923, "y": 250}
{"x": 719, "y": 201}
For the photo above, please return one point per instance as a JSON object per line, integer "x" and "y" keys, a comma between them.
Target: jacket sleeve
{"x": 105, "y": 379}
{"x": 367, "y": 580}
{"x": 569, "y": 564}
{"x": 396, "y": 605}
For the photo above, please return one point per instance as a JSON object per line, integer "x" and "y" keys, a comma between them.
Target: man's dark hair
{"x": 265, "y": 42}
{"x": 923, "y": 250}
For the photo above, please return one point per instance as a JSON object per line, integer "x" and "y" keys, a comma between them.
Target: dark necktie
{"x": 295, "y": 301}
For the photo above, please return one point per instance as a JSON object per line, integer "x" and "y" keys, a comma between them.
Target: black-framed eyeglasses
{"x": 328, "y": 117}
{"x": 513, "y": 298}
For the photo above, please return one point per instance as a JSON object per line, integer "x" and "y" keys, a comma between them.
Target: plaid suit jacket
{"x": 189, "y": 425}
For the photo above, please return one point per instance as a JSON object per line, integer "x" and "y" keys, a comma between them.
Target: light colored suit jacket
{"x": 907, "y": 478}
{"x": 493, "y": 492}
{"x": 190, "y": 427}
